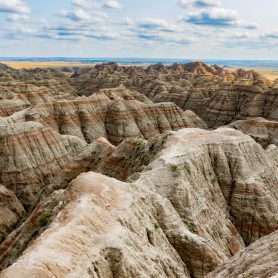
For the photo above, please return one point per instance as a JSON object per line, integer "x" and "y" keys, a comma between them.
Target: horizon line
{"x": 133, "y": 58}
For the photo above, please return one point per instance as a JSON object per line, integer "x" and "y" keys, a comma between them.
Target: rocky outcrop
{"x": 122, "y": 93}
{"x": 244, "y": 172}
{"x": 218, "y": 96}
{"x": 263, "y": 131}
{"x": 11, "y": 211}
{"x": 98, "y": 116}
{"x": 35, "y": 158}
{"x": 203, "y": 196}
{"x": 131, "y": 156}
{"x": 30, "y": 227}
{"x": 258, "y": 260}
{"x": 16, "y": 96}
{"x": 193, "y": 69}
{"x": 225, "y": 103}
{"x": 32, "y": 155}
{"x": 103, "y": 231}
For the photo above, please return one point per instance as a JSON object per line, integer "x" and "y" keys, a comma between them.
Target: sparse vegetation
{"x": 44, "y": 219}
{"x": 214, "y": 179}
{"x": 156, "y": 226}
{"x": 189, "y": 225}
{"x": 174, "y": 168}
{"x": 141, "y": 168}
{"x": 2, "y": 237}
{"x": 90, "y": 272}
{"x": 14, "y": 226}
{"x": 187, "y": 167}
{"x": 13, "y": 252}
{"x": 147, "y": 158}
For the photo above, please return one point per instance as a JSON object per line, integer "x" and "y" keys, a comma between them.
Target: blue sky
{"x": 196, "y": 29}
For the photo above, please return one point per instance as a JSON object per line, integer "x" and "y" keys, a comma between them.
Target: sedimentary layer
{"x": 258, "y": 260}
{"x": 199, "y": 202}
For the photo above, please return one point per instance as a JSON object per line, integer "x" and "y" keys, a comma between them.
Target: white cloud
{"x": 218, "y": 17}
{"x": 85, "y": 4}
{"x": 112, "y": 4}
{"x": 126, "y": 21}
{"x": 78, "y": 30}
{"x": 76, "y": 15}
{"x": 169, "y": 38}
{"x": 14, "y": 6}
{"x": 156, "y": 24}
{"x": 15, "y": 33}
{"x": 85, "y": 11}
{"x": 152, "y": 30}
{"x": 270, "y": 35}
{"x": 242, "y": 35}
{"x": 18, "y": 17}
{"x": 87, "y": 20}
{"x": 198, "y": 3}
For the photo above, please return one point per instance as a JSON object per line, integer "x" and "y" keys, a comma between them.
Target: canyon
{"x": 138, "y": 171}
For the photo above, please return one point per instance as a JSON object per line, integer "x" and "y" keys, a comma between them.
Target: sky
{"x": 185, "y": 29}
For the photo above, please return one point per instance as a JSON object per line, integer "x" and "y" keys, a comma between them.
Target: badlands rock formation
{"x": 258, "y": 260}
{"x": 263, "y": 131}
{"x": 11, "y": 210}
{"x": 106, "y": 221}
{"x": 216, "y": 95}
{"x": 112, "y": 173}
{"x": 115, "y": 114}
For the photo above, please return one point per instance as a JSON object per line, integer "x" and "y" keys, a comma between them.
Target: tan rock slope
{"x": 217, "y": 95}
{"x": 111, "y": 173}
{"x": 225, "y": 103}
{"x": 115, "y": 114}
{"x": 16, "y": 96}
{"x": 11, "y": 211}
{"x": 35, "y": 160}
{"x": 263, "y": 131}
{"x": 258, "y": 260}
{"x": 102, "y": 231}
{"x": 32, "y": 155}
{"x": 193, "y": 208}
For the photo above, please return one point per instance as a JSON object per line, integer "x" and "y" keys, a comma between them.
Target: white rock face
{"x": 107, "y": 229}
{"x": 218, "y": 173}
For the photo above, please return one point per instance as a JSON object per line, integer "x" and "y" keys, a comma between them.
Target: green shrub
{"x": 147, "y": 159}
{"x": 187, "y": 167}
{"x": 156, "y": 226}
{"x": 214, "y": 179}
{"x": 141, "y": 168}
{"x": 90, "y": 272}
{"x": 174, "y": 168}
{"x": 189, "y": 225}
{"x": 44, "y": 219}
